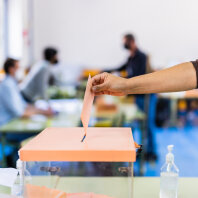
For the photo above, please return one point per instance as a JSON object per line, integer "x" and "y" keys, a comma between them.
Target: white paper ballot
{"x": 8, "y": 176}
{"x": 7, "y": 196}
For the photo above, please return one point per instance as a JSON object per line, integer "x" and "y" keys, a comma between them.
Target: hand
{"x": 109, "y": 84}
{"x": 49, "y": 112}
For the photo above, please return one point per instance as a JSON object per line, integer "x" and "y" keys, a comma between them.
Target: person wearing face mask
{"x": 12, "y": 104}
{"x": 36, "y": 83}
{"x": 138, "y": 64}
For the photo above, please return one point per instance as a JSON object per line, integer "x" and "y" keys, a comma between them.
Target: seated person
{"x": 36, "y": 82}
{"x": 12, "y": 104}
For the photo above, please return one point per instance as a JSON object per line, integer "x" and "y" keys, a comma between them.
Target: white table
{"x": 144, "y": 187}
{"x": 7, "y": 196}
{"x": 148, "y": 187}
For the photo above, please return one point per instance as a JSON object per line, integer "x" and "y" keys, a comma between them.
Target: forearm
{"x": 31, "y": 110}
{"x": 178, "y": 78}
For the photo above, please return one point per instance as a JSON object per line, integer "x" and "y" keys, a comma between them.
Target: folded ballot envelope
{"x": 44, "y": 192}
{"x": 86, "y": 195}
{"x": 87, "y": 105}
{"x": 33, "y": 191}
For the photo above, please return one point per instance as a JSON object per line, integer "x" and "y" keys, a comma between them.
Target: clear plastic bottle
{"x": 17, "y": 188}
{"x": 169, "y": 176}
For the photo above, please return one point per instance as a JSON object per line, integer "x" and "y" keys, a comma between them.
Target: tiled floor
{"x": 185, "y": 141}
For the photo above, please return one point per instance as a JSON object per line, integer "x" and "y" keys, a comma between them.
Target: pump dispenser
{"x": 169, "y": 176}
{"x": 17, "y": 188}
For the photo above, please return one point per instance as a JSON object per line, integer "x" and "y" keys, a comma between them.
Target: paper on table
{"x": 7, "y": 196}
{"x": 33, "y": 191}
{"x": 8, "y": 176}
{"x": 87, "y": 104}
{"x": 79, "y": 195}
{"x": 86, "y": 195}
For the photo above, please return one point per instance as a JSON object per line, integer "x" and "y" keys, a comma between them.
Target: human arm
{"x": 119, "y": 69}
{"x": 15, "y": 104}
{"x": 177, "y": 78}
{"x": 32, "y": 110}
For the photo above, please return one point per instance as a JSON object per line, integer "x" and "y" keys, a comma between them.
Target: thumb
{"x": 98, "y": 88}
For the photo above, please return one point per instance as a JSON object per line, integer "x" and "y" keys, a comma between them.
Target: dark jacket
{"x": 135, "y": 65}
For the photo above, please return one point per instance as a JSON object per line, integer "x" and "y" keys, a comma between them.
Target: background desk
{"x": 174, "y": 97}
{"x": 68, "y": 116}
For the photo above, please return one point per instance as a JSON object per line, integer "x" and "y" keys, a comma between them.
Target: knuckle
{"x": 97, "y": 88}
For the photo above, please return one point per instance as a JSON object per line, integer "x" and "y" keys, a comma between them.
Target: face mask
{"x": 55, "y": 61}
{"x": 126, "y": 46}
{"x": 19, "y": 75}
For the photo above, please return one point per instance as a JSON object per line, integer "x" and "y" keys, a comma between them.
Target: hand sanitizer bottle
{"x": 17, "y": 188}
{"x": 169, "y": 176}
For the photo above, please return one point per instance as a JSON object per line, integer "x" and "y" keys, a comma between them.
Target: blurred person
{"x": 36, "y": 83}
{"x": 137, "y": 62}
{"x": 12, "y": 104}
{"x": 192, "y": 115}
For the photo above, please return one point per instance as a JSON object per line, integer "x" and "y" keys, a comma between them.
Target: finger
{"x": 114, "y": 93}
{"x": 99, "y": 88}
{"x": 98, "y": 79}
{"x": 101, "y": 93}
{"x": 108, "y": 93}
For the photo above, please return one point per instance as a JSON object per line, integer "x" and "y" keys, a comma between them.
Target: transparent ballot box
{"x": 57, "y": 164}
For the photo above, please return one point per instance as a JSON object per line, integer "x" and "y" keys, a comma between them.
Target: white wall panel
{"x": 89, "y": 32}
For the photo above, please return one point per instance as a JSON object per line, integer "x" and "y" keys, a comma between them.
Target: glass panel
{"x": 113, "y": 179}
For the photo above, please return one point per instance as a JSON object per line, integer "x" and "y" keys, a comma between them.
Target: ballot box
{"x": 57, "y": 164}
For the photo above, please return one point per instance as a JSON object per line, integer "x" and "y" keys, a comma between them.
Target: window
{"x": 2, "y": 51}
{"x": 15, "y": 29}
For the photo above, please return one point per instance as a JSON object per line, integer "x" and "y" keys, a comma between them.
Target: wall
{"x": 89, "y": 32}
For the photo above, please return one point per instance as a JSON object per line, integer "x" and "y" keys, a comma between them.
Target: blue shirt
{"x": 12, "y": 104}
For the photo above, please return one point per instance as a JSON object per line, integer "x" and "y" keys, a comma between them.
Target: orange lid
{"x": 64, "y": 144}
